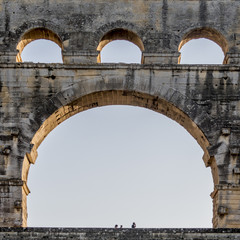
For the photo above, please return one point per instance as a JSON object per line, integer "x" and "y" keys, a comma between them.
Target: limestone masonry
{"x": 117, "y": 234}
{"x": 35, "y": 98}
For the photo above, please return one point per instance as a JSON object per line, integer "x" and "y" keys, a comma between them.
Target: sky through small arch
{"x": 121, "y": 51}
{"x": 42, "y": 51}
{"x": 201, "y": 51}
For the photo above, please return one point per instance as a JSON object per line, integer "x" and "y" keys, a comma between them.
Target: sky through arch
{"x": 136, "y": 126}
{"x": 121, "y": 51}
{"x": 201, "y": 51}
{"x": 117, "y": 165}
{"x": 42, "y": 51}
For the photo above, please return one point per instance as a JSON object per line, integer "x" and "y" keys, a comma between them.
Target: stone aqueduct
{"x": 35, "y": 98}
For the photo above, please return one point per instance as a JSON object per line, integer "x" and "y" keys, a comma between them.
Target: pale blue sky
{"x": 119, "y": 164}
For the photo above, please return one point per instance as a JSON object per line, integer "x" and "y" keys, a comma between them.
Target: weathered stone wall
{"x": 117, "y": 234}
{"x": 161, "y": 26}
{"x": 35, "y": 98}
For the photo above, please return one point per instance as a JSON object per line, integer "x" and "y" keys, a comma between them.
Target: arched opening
{"x": 42, "y": 51}
{"x": 53, "y": 46}
{"x": 205, "y": 46}
{"x": 117, "y": 165}
{"x": 121, "y": 51}
{"x": 121, "y": 34}
{"x": 201, "y": 51}
{"x": 123, "y": 98}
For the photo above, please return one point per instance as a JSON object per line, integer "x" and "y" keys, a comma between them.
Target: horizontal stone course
{"x": 118, "y": 234}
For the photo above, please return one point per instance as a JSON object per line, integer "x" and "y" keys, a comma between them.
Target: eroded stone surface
{"x": 35, "y": 98}
{"x": 118, "y": 234}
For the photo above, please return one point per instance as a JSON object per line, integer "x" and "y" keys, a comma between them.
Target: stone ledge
{"x": 119, "y": 234}
{"x": 109, "y": 66}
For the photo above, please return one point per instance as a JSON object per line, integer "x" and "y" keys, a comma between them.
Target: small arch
{"x": 208, "y": 33}
{"x": 35, "y": 34}
{"x": 119, "y": 34}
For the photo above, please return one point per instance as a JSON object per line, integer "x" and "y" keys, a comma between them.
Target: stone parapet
{"x": 118, "y": 234}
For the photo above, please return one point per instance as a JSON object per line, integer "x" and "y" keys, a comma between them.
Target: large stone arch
{"x": 89, "y": 94}
{"x": 114, "y": 97}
